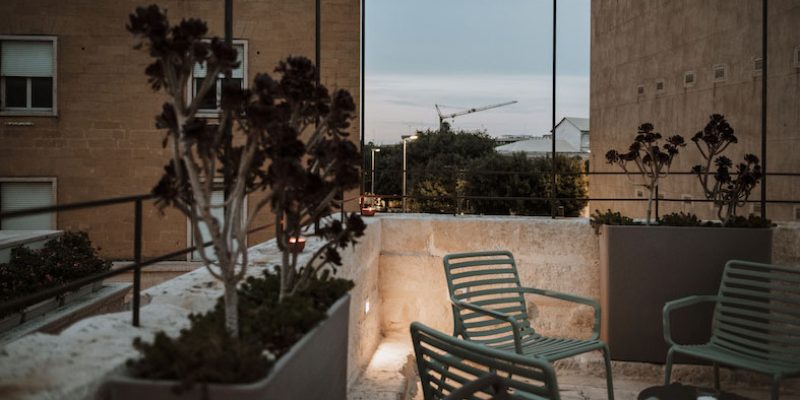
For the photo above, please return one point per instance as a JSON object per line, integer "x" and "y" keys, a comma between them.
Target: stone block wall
{"x": 559, "y": 255}
{"x": 642, "y": 42}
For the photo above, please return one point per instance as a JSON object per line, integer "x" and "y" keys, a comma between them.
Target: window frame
{"x": 719, "y": 67}
{"x": 758, "y": 62}
{"x": 30, "y": 111}
{"x": 190, "y": 88}
{"x": 687, "y": 74}
{"x": 796, "y": 57}
{"x": 39, "y": 179}
{"x": 663, "y": 84}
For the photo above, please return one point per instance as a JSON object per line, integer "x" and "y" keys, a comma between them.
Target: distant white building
{"x": 572, "y": 139}
{"x": 575, "y": 131}
{"x": 508, "y": 139}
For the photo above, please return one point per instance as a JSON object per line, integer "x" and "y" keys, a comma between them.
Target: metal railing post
{"x": 137, "y": 258}
{"x": 553, "y": 132}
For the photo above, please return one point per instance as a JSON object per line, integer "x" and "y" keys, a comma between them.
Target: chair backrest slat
{"x": 759, "y": 311}
{"x": 487, "y": 279}
{"x": 446, "y": 363}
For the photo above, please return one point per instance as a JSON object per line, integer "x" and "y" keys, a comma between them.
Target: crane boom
{"x": 443, "y": 117}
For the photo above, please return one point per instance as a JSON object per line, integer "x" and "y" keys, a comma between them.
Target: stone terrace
{"x": 397, "y": 268}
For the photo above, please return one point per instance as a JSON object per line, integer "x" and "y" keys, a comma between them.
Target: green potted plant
{"x": 642, "y": 267}
{"x": 61, "y": 260}
{"x": 283, "y": 335}
{"x": 651, "y": 158}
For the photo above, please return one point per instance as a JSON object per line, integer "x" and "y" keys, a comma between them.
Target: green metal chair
{"x": 452, "y": 368}
{"x": 489, "y": 308}
{"x": 756, "y": 322}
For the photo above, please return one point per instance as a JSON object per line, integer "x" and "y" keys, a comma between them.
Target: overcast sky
{"x": 470, "y": 53}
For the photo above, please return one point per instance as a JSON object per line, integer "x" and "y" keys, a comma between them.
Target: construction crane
{"x": 443, "y": 117}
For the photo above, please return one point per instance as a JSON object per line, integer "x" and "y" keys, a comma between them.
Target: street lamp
{"x": 406, "y": 139}
{"x": 376, "y": 150}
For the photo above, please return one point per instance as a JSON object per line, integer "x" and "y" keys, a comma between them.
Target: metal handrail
{"x": 136, "y": 266}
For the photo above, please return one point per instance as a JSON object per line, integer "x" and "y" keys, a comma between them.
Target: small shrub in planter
{"x": 206, "y": 352}
{"x": 61, "y": 260}
{"x": 609, "y": 217}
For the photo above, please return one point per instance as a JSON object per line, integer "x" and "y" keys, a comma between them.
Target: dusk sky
{"x": 470, "y": 53}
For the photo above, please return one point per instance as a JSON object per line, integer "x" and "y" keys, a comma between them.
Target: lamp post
{"x": 373, "y": 169}
{"x": 406, "y": 139}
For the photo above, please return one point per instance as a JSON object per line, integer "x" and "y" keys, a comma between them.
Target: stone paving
{"x": 391, "y": 376}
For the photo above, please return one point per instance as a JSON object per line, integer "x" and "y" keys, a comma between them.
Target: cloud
{"x": 398, "y": 104}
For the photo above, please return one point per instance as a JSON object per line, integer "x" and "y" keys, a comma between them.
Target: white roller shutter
{"x": 21, "y": 195}
{"x": 26, "y": 58}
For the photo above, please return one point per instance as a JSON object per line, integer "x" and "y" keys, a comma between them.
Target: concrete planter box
{"x": 53, "y": 315}
{"x": 314, "y": 368}
{"x": 643, "y": 267}
{"x": 45, "y": 306}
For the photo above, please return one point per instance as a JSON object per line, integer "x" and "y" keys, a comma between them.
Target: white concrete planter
{"x": 52, "y": 315}
{"x": 643, "y": 267}
{"x": 314, "y": 368}
{"x": 43, "y": 307}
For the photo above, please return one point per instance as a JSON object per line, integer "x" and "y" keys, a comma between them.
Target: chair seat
{"x": 722, "y": 355}
{"x": 552, "y": 349}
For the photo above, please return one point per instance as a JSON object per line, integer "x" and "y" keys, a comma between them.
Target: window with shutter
{"x": 16, "y": 196}
{"x": 212, "y": 99}
{"x": 27, "y": 75}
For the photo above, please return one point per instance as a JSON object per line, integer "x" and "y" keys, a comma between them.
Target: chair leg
{"x": 716, "y": 376}
{"x": 776, "y": 386}
{"x": 668, "y": 368}
{"x": 609, "y": 377}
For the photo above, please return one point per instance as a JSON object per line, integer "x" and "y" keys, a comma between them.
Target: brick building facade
{"x": 99, "y": 139}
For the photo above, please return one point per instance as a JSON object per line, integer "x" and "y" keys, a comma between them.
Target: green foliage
{"x": 532, "y": 181}
{"x": 681, "y": 219}
{"x": 206, "y": 351}
{"x": 609, "y": 218}
{"x": 751, "y": 221}
{"x": 443, "y": 164}
{"x": 61, "y": 260}
{"x": 433, "y": 161}
{"x": 438, "y": 157}
{"x": 678, "y": 219}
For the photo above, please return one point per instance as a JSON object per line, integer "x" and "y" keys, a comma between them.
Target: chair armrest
{"x": 574, "y": 299}
{"x": 479, "y": 384}
{"x": 681, "y": 303}
{"x": 493, "y": 314}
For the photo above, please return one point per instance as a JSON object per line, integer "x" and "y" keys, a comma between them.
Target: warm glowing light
{"x": 366, "y": 306}
{"x": 296, "y": 244}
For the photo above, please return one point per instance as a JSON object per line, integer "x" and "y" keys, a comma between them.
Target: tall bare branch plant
{"x": 256, "y": 146}
{"x": 651, "y": 160}
{"x": 728, "y": 191}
